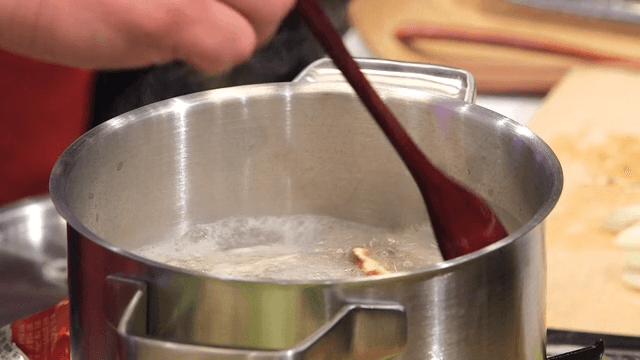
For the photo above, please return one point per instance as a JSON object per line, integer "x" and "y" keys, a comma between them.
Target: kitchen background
{"x": 568, "y": 69}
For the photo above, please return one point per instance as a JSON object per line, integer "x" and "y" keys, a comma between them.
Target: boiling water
{"x": 302, "y": 247}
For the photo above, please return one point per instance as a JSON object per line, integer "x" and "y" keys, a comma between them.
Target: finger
{"x": 218, "y": 40}
{"x": 265, "y": 16}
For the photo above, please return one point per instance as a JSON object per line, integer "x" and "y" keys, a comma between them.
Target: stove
{"x": 572, "y": 345}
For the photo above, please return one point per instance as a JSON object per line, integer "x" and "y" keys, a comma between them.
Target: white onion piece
{"x": 633, "y": 260}
{"x": 622, "y": 217}
{"x": 632, "y": 279}
{"x": 629, "y": 238}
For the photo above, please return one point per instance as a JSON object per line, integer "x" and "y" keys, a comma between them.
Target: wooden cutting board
{"x": 592, "y": 122}
{"x": 498, "y": 69}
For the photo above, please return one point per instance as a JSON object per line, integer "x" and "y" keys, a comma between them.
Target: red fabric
{"x": 43, "y": 109}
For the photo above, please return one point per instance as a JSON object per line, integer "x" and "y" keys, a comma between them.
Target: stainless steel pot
{"x": 303, "y": 147}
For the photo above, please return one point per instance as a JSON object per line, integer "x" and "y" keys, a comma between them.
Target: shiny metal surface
{"x": 435, "y": 79}
{"x": 33, "y": 266}
{"x": 371, "y": 331}
{"x": 299, "y": 148}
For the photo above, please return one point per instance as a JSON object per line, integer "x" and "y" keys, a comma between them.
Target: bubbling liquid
{"x": 295, "y": 247}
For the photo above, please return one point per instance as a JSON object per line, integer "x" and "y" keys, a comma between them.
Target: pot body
{"x": 303, "y": 147}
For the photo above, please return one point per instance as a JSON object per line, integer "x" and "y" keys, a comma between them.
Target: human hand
{"x": 212, "y": 35}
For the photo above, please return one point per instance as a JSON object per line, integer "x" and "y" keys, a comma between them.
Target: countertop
{"x": 520, "y": 108}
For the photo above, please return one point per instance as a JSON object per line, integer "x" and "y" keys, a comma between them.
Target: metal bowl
{"x": 33, "y": 258}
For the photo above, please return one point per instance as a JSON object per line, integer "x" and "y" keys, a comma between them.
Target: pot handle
{"x": 355, "y": 332}
{"x": 437, "y": 79}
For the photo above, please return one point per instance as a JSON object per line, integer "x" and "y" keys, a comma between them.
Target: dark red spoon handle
{"x": 462, "y": 222}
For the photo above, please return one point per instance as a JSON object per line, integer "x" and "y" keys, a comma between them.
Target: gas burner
{"x": 570, "y": 345}
{"x": 594, "y": 352}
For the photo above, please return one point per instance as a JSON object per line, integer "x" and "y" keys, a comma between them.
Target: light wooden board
{"x": 497, "y": 69}
{"x": 592, "y": 122}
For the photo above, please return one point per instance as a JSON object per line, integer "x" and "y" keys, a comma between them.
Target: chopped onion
{"x": 622, "y": 217}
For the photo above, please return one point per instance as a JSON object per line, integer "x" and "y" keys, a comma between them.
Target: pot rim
{"x": 66, "y": 162}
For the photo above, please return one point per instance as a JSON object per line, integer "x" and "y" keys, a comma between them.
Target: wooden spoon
{"x": 462, "y": 221}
